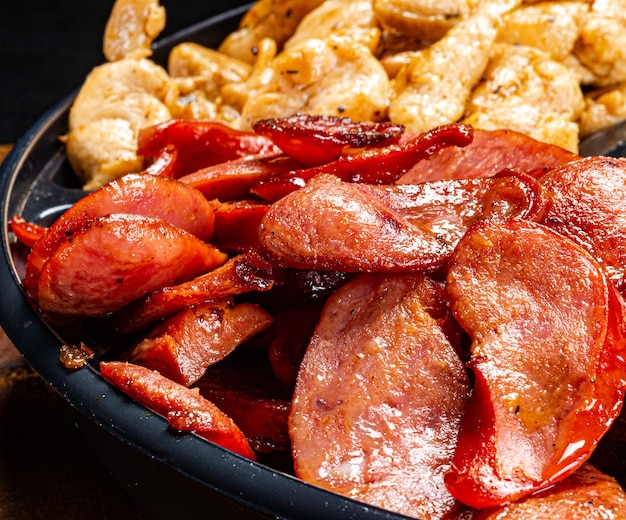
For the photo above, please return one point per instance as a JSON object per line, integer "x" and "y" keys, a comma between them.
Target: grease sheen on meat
{"x": 379, "y": 397}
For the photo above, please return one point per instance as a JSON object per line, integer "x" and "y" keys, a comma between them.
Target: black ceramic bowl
{"x": 170, "y": 475}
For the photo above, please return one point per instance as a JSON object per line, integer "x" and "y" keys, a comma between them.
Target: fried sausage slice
{"x": 116, "y": 259}
{"x": 588, "y": 205}
{"x": 491, "y": 152}
{"x": 379, "y": 397}
{"x": 548, "y": 350}
{"x": 351, "y": 227}
{"x": 319, "y": 139}
{"x": 182, "y": 347}
{"x": 185, "y": 409}
{"x": 587, "y": 494}
{"x": 134, "y": 193}
{"x": 243, "y": 273}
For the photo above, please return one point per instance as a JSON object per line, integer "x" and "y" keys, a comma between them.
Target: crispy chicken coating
{"x": 435, "y": 85}
{"x": 200, "y": 74}
{"x": 428, "y": 20}
{"x": 552, "y": 27}
{"x": 601, "y": 46}
{"x": 354, "y": 18}
{"x": 603, "y": 108}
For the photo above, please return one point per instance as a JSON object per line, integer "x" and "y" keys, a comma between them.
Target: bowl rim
{"x": 251, "y": 484}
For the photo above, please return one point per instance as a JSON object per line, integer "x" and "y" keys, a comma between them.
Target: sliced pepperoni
{"x": 379, "y": 397}
{"x": 548, "y": 350}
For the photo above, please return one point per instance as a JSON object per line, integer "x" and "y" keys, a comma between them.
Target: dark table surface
{"x": 47, "y": 470}
{"x": 48, "y": 46}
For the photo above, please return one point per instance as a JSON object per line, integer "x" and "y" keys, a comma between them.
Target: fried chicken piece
{"x": 275, "y": 19}
{"x": 200, "y": 74}
{"x": 335, "y": 76}
{"x": 552, "y": 27}
{"x": 603, "y": 108}
{"x": 525, "y": 90}
{"x": 116, "y": 100}
{"x": 131, "y": 28}
{"x": 425, "y": 19}
{"x": 433, "y": 88}
{"x": 354, "y": 18}
{"x": 601, "y": 46}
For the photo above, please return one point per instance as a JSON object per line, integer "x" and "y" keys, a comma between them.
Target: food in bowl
{"x": 343, "y": 266}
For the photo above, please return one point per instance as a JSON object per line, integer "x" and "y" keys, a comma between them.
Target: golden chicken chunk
{"x": 428, "y": 20}
{"x": 275, "y": 19}
{"x": 525, "y": 90}
{"x": 601, "y": 46}
{"x": 200, "y": 74}
{"x": 335, "y": 76}
{"x": 354, "y": 18}
{"x": 131, "y": 28}
{"x": 603, "y": 108}
{"x": 434, "y": 87}
{"x": 552, "y": 27}
{"x": 116, "y": 100}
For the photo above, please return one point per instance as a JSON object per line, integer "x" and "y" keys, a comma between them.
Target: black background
{"x": 48, "y": 47}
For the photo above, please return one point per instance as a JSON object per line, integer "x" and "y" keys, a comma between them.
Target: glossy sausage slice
{"x": 241, "y": 274}
{"x": 201, "y": 143}
{"x": 379, "y": 397}
{"x": 134, "y": 193}
{"x": 116, "y": 259}
{"x": 587, "y": 494}
{"x": 548, "y": 350}
{"x": 491, "y": 152}
{"x": 185, "y": 409}
{"x": 319, "y": 139}
{"x": 588, "y": 204}
{"x": 182, "y": 347}
{"x": 244, "y": 387}
{"x": 335, "y": 225}
{"x": 371, "y": 165}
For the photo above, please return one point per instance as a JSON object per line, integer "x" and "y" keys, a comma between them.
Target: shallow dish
{"x": 170, "y": 475}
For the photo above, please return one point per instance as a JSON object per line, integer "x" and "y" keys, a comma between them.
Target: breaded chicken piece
{"x": 601, "y": 46}
{"x": 200, "y": 74}
{"x": 603, "y": 108}
{"x": 525, "y": 90}
{"x": 428, "y": 20}
{"x": 552, "y": 27}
